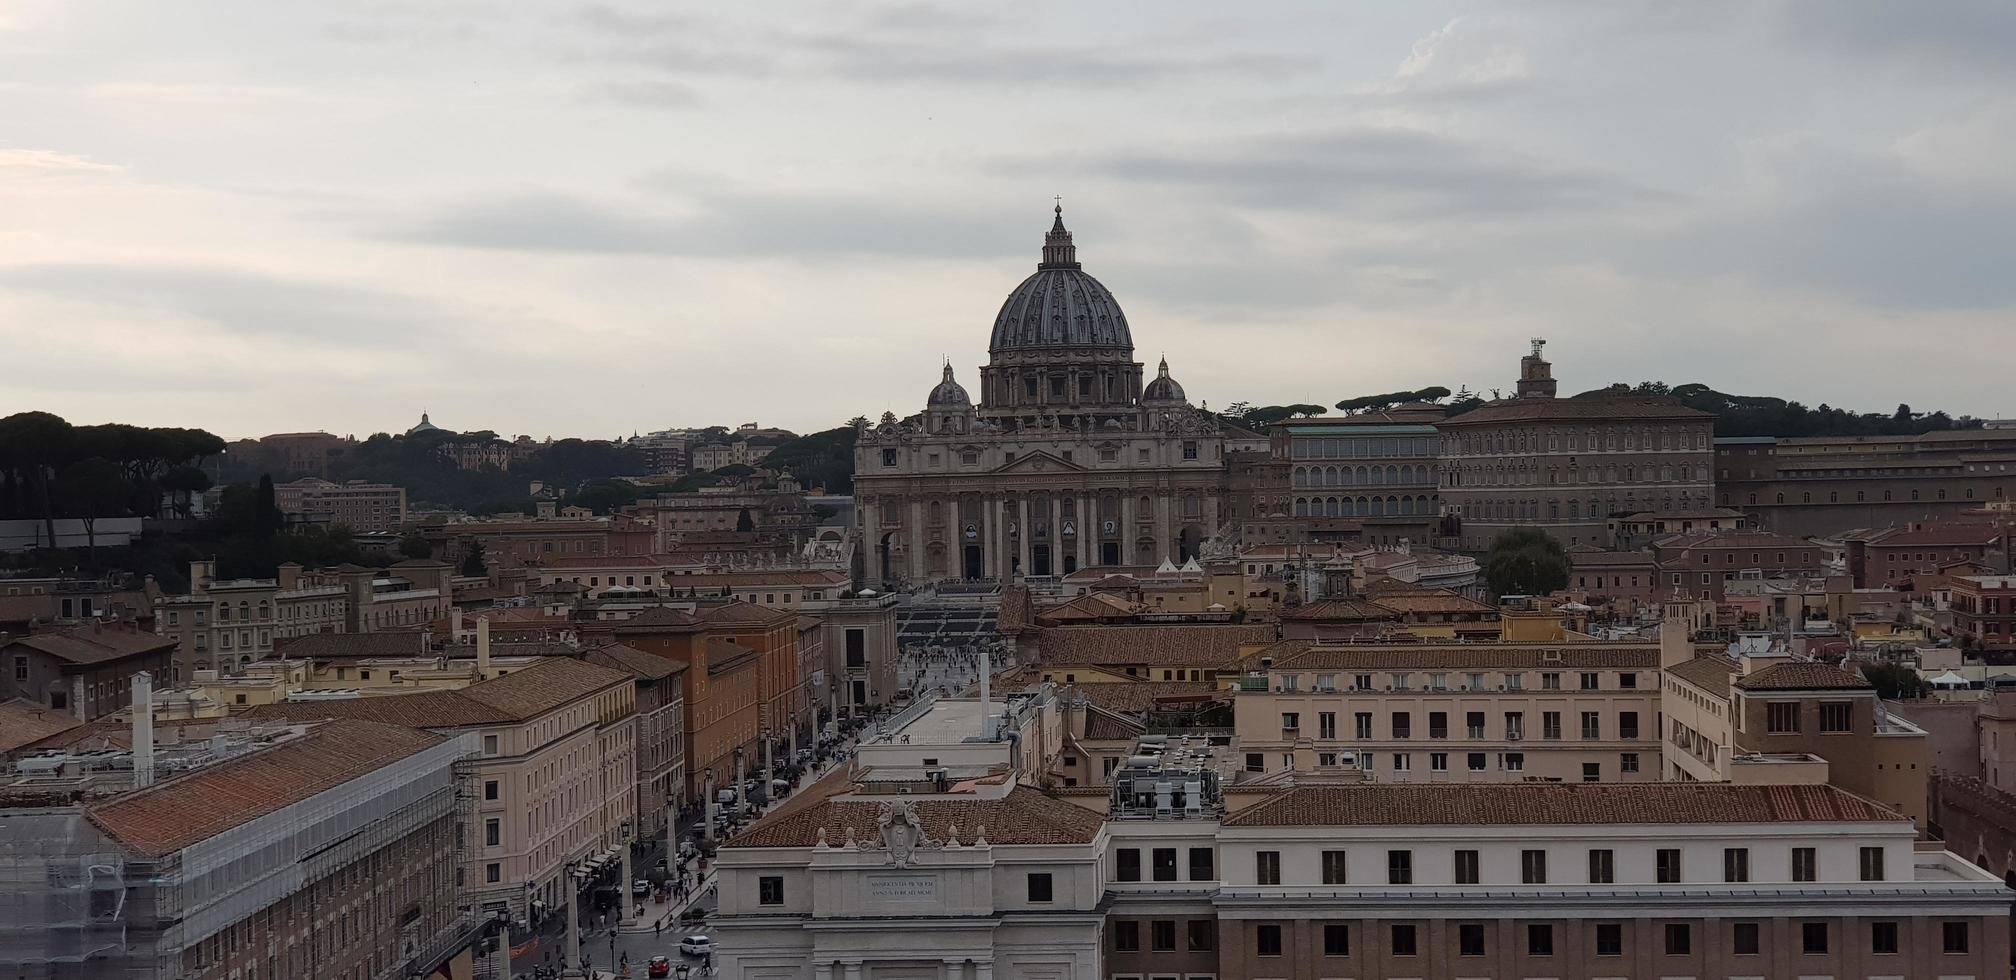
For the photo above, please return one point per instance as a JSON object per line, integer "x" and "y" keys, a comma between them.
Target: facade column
{"x": 986, "y": 539}
{"x": 1213, "y": 513}
{"x": 1026, "y": 532}
{"x": 853, "y": 970}
{"x": 983, "y": 970}
{"x": 1057, "y": 535}
{"x": 999, "y": 542}
{"x": 871, "y": 571}
{"x": 822, "y": 971}
{"x": 1162, "y": 539}
{"x": 1127, "y": 530}
{"x": 916, "y": 563}
{"x": 1086, "y": 528}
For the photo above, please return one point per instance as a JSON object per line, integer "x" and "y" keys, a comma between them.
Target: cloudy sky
{"x": 589, "y": 218}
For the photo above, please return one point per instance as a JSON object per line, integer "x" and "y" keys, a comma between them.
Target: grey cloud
{"x": 244, "y": 303}
{"x": 646, "y": 94}
{"x": 727, "y": 224}
{"x": 1394, "y": 173}
{"x": 1936, "y": 39}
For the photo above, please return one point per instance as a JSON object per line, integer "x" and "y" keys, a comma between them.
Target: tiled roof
{"x": 544, "y": 686}
{"x": 1610, "y": 559}
{"x": 350, "y": 646}
{"x": 1024, "y": 816}
{"x": 707, "y": 580}
{"x": 1595, "y": 407}
{"x": 1732, "y": 539}
{"x": 1802, "y": 675}
{"x": 616, "y": 656}
{"x": 91, "y": 644}
{"x": 659, "y": 618}
{"x": 1109, "y": 726}
{"x": 1347, "y": 610}
{"x": 1941, "y": 535}
{"x": 743, "y": 614}
{"x": 1137, "y": 697}
{"x": 1170, "y": 646}
{"x": 1412, "y": 601}
{"x": 1092, "y": 605}
{"x": 1556, "y": 804}
{"x": 22, "y": 722}
{"x": 189, "y": 809}
{"x": 420, "y": 709}
{"x": 1313, "y": 655}
{"x": 1711, "y": 673}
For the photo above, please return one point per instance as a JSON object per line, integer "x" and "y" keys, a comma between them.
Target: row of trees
{"x": 1762, "y": 415}
{"x": 50, "y": 469}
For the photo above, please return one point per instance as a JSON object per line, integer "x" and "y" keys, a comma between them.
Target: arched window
{"x": 1301, "y": 507}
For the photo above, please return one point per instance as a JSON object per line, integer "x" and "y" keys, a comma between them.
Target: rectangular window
{"x": 1189, "y": 449}
{"x": 1609, "y": 939}
{"x": 1627, "y": 724}
{"x": 1591, "y": 681}
{"x": 1267, "y": 940}
{"x": 1291, "y": 721}
{"x": 1743, "y": 938}
{"x": 1478, "y": 762}
{"x": 1837, "y": 718}
{"x": 1592, "y": 724}
{"x": 1326, "y": 724}
{"x": 493, "y": 873}
{"x": 857, "y": 648}
{"x": 1438, "y": 724}
{"x": 1162, "y": 936}
{"x": 1203, "y": 934}
{"x": 1954, "y": 936}
{"x": 493, "y": 832}
{"x": 1804, "y": 864}
{"x": 1127, "y": 864}
{"x": 1267, "y": 867}
{"x": 1550, "y": 681}
{"x": 1539, "y": 939}
{"x": 1201, "y": 868}
{"x": 1533, "y": 867}
{"x": 1165, "y": 864}
{"x": 1403, "y": 940}
{"x": 1735, "y": 864}
{"x": 1679, "y": 939}
{"x": 1883, "y": 937}
{"x": 1466, "y": 867}
{"x": 1333, "y": 868}
{"x": 1473, "y": 724}
{"x": 1039, "y": 886}
{"x": 1399, "y": 867}
{"x": 1361, "y": 724}
{"x": 1470, "y": 939}
{"x": 1256, "y": 762}
{"x": 1668, "y": 865}
{"x": 489, "y": 745}
{"x": 1781, "y": 718}
{"x": 1813, "y": 937}
{"x": 1602, "y": 866}
{"x": 1872, "y": 864}
{"x": 1438, "y": 762}
{"x": 489, "y": 789}
{"x": 1550, "y": 724}
{"x": 1336, "y": 939}
{"x": 770, "y": 890}
{"x": 1627, "y": 762}
{"x": 1592, "y": 772}
{"x": 1127, "y": 936}
{"x": 1403, "y": 725}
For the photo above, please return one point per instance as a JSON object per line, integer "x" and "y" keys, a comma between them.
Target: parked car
{"x": 660, "y": 966}
{"x": 640, "y": 888}
{"x": 696, "y": 946}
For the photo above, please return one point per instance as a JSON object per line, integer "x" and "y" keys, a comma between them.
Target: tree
{"x": 1525, "y": 561}
{"x": 743, "y": 522}
{"x": 93, "y": 488}
{"x": 34, "y": 445}
{"x": 415, "y": 546}
{"x": 1894, "y": 681}
{"x": 472, "y": 560}
{"x": 183, "y": 483}
{"x": 266, "y": 517}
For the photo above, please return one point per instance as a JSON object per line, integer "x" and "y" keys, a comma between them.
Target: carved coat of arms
{"x": 902, "y": 832}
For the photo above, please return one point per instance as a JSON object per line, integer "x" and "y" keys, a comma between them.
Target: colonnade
{"x": 997, "y": 536}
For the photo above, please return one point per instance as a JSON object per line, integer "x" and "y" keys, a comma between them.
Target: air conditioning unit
{"x": 1514, "y": 736}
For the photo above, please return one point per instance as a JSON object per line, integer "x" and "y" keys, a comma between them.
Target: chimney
{"x": 986, "y": 692}
{"x": 143, "y": 730}
{"x": 482, "y": 646}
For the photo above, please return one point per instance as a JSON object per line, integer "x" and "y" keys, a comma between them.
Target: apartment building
{"x": 1070, "y": 654}
{"x": 511, "y": 541}
{"x": 84, "y": 671}
{"x": 1984, "y": 611}
{"x": 1891, "y": 556}
{"x": 661, "y": 732}
{"x": 1584, "y": 881}
{"x": 361, "y": 506}
{"x": 227, "y": 624}
{"x": 1698, "y": 564}
{"x": 554, "y": 771}
{"x": 722, "y": 688}
{"x": 322, "y": 851}
{"x": 1828, "y": 484}
{"x": 1450, "y": 713}
{"x": 1378, "y": 469}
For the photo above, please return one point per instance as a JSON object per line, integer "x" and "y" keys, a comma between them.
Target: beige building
{"x": 1568, "y": 465}
{"x": 366, "y": 508}
{"x": 227, "y": 625}
{"x": 1453, "y": 713}
{"x": 1067, "y": 460}
{"x": 554, "y": 775}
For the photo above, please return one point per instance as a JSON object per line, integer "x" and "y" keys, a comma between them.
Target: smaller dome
{"x": 1164, "y": 388}
{"x": 424, "y": 426}
{"x": 948, "y": 394}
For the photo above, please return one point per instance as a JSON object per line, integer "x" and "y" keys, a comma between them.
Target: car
{"x": 660, "y": 966}
{"x": 640, "y": 888}
{"x": 697, "y": 946}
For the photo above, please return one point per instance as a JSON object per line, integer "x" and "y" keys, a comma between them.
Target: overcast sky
{"x": 588, "y": 219}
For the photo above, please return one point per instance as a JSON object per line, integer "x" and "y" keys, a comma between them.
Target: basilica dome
{"x": 948, "y": 393}
{"x": 1060, "y": 305}
{"x": 1164, "y": 389}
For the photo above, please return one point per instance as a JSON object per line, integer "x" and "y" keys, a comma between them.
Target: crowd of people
{"x": 935, "y": 669}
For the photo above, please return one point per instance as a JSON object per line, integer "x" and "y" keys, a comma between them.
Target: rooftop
{"x": 1557, "y": 804}
{"x": 93, "y": 644}
{"x": 1801, "y": 675}
{"x": 1581, "y": 408}
{"x": 1024, "y": 816}
{"x": 1206, "y": 645}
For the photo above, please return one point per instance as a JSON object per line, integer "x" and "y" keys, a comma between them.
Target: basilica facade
{"x": 1071, "y": 458}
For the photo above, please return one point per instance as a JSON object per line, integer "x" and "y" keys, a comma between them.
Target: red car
{"x": 658, "y": 967}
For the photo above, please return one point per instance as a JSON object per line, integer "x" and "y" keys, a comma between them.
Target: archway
{"x": 1109, "y": 552}
{"x": 1187, "y": 542}
{"x": 974, "y": 568}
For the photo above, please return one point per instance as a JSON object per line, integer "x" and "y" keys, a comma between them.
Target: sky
{"x": 590, "y": 219}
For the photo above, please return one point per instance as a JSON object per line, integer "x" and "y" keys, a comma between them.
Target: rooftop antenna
{"x": 1538, "y": 342}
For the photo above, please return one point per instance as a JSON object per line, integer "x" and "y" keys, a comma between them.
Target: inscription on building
{"x": 903, "y": 888}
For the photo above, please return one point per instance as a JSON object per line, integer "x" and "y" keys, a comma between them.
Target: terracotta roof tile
{"x": 22, "y": 722}
{"x": 1341, "y": 610}
{"x": 659, "y": 618}
{"x": 1803, "y": 676}
{"x": 420, "y": 709}
{"x": 616, "y": 656}
{"x": 90, "y": 644}
{"x": 1024, "y": 816}
{"x": 1941, "y": 535}
{"x": 1557, "y": 804}
{"x": 1138, "y": 697}
{"x": 189, "y": 809}
{"x": 743, "y": 614}
{"x": 1313, "y": 655}
{"x": 1711, "y": 673}
{"x": 349, "y": 646}
{"x": 1171, "y": 646}
{"x": 544, "y": 686}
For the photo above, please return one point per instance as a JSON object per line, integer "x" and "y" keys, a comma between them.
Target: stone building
{"x": 1567, "y": 465}
{"x": 1067, "y": 460}
{"x": 1828, "y": 484}
{"x": 1377, "y": 469}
